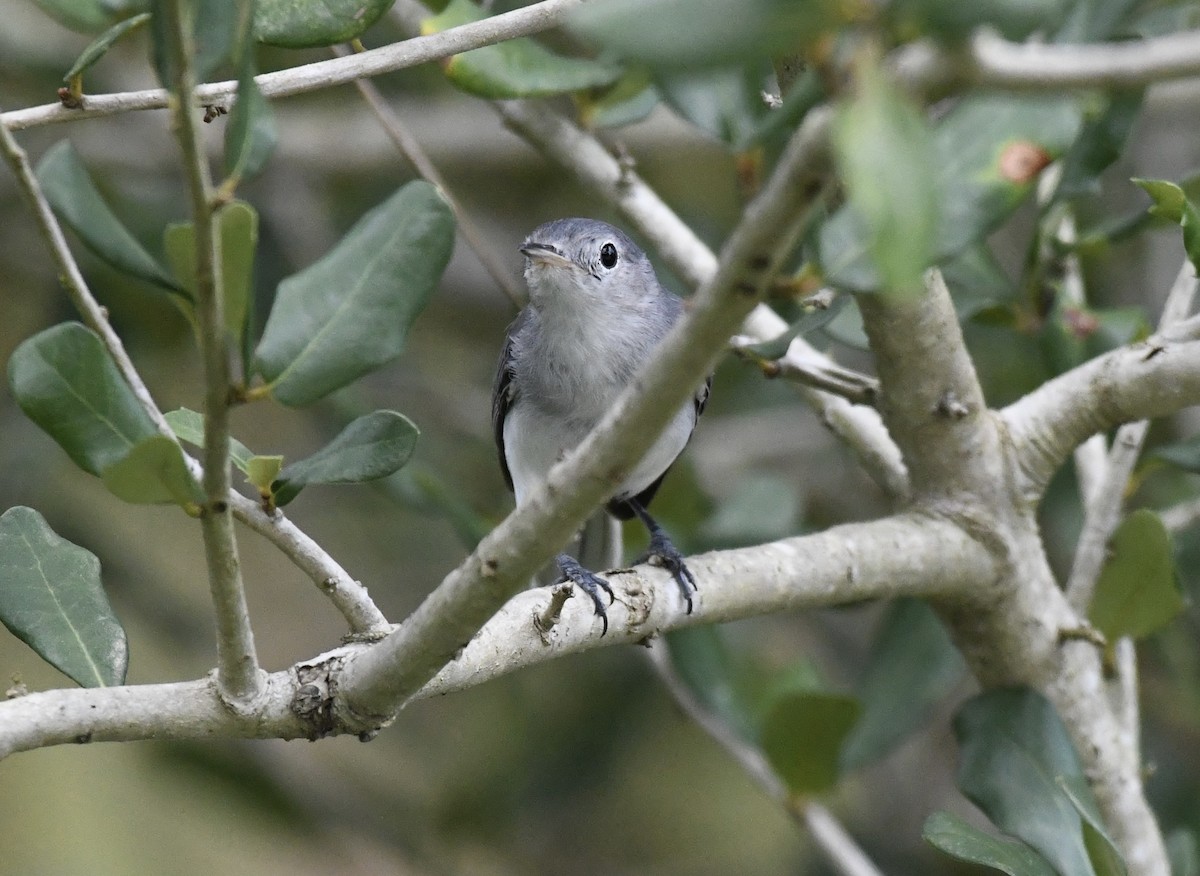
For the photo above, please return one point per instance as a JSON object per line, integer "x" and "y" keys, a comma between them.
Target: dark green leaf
{"x": 64, "y": 381}
{"x": 961, "y": 840}
{"x": 299, "y": 24}
{"x": 987, "y": 152}
{"x": 1099, "y": 144}
{"x": 514, "y": 68}
{"x": 884, "y": 151}
{"x": 809, "y": 322}
{"x": 1102, "y": 852}
{"x": 1014, "y": 748}
{"x": 91, "y": 16}
{"x": 53, "y": 601}
{"x": 214, "y": 32}
{"x": 725, "y": 102}
{"x": 1171, "y": 202}
{"x": 762, "y": 508}
{"x": 705, "y": 33}
{"x": 713, "y": 673}
{"x": 976, "y": 281}
{"x": 1185, "y": 454}
{"x": 1181, "y": 849}
{"x": 101, "y": 44}
{"x": 350, "y": 312}
{"x": 237, "y": 224}
{"x": 1138, "y": 591}
{"x": 250, "y": 136}
{"x": 952, "y": 21}
{"x": 1094, "y": 20}
{"x": 371, "y": 447}
{"x": 630, "y": 99}
{"x": 802, "y": 738}
{"x": 913, "y": 665}
{"x": 153, "y": 472}
{"x": 70, "y": 191}
{"x": 188, "y": 426}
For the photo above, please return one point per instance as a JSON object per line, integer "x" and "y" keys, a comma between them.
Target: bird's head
{"x": 584, "y": 259}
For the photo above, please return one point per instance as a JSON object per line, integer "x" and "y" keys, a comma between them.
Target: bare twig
{"x": 238, "y": 675}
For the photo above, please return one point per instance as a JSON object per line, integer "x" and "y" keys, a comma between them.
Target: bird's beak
{"x": 545, "y": 253}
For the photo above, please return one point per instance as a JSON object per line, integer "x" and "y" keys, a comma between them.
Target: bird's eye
{"x": 608, "y": 256}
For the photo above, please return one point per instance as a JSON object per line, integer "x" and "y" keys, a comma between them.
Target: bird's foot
{"x": 663, "y": 553}
{"x": 590, "y": 583}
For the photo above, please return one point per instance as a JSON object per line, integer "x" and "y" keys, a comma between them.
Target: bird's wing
{"x": 504, "y": 392}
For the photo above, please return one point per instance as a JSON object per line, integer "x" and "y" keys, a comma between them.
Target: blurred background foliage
{"x": 583, "y": 765}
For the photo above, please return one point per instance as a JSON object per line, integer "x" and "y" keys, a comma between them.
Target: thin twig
{"x": 839, "y": 848}
{"x": 238, "y": 674}
{"x": 1179, "y": 517}
{"x": 411, "y": 149}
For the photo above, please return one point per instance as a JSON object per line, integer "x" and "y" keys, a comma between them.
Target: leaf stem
{"x": 239, "y": 677}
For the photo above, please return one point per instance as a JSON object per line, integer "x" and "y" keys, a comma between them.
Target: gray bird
{"x": 596, "y": 310}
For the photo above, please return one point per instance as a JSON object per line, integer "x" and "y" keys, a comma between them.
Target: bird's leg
{"x": 663, "y": 553}
{"x": 589, "y": 582}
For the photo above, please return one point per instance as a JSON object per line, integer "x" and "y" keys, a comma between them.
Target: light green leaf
{"x": 1137, "y": 592}
{"x": 961, "y": 840}
{"x": 725, "y": 102}
{"x": 350, "y": 312}
{"x": 952, "y": 21}
{"x": 300, "y": 24}
{"x": 912, "y": 666}
{"x": 1171, "y": 202}
{"x": 814, "y": 319}
{"x": 100, "y": 45}
{"x": 1014, "y": 749}
{"x": 630, "y": 99}
{"x": 237, "y": 224}
{"x": 802, "y": 737}
{"x": 188, "y": 425}
{"x": 91, "y": 16}
{"x": 261, "y": 471}
{"x": 1102, "y": 851}
{"x": 884, "y": 151}
{"x": 1181, "y": 849}
{"x": 53, "y": 601}
{"x": 514, "y": 68}
{"x": 64, "y": 381}
{"x": 70, "y": 191}
{"x": 371, "y": 447}
{"x": 153, "y": 472}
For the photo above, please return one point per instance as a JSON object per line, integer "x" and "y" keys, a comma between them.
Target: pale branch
{"x": 385, "y": 677}
{"x": 905, "y": 554}
{"x": 839, "y": 849}
{"x": 995, "y": 61}
{"x": 238, "y": 674}
{"x": 411, "y": 149}
{"x": 1179, "y": 517}
{"x": 620, "y": 186}
{"x": 349, "y": 596}
{"x": 528, "y": 20}
{"x": 1103, "y": 513}
{"x": 1152, "y": 378}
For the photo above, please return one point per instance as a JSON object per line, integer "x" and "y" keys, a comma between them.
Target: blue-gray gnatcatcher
{"x": 596, "y": 310}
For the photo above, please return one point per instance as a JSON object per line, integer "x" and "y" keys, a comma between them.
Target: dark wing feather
{"x": 504, "y": 393}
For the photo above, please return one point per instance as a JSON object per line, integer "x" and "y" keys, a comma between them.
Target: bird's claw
{"x": 663, "y": 553}
{"x": 591, "y": 584}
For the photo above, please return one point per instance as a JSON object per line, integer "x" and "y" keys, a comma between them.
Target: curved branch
{"x": 321, "y": 74}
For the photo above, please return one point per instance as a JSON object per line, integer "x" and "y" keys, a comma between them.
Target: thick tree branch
{"x": 901, "y": 555}
{"x": 320, "y": 74}
{"x": 383, "y": 678}
{"x": 238, "y": 673}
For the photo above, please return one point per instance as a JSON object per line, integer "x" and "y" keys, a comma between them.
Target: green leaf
{"x": 762, "y": 508}
{"x": 952, "y": 21}
{"x": 300, "y": 24}
{"x": 70, "y": 191}
{"x": 976, "y": 281}
{"x": 987, "y": 152}
{"x": 1099, "y": 144}
{"x": 514, "y": 68}
{"x": 630, "y": 99}
{"x": 1184, "y": 454}
{"x": 250, "y": 136}
{"x": 957, "y": 838}
{"x": 714, "y": 674}
{"x": 100, "y": 45}
{"x": 706, "y": 33}
{"x": 814, "y": 319}
{"x": 371, "y": 447}
{"x": 1181, "y": 849}
{"x": 1090, "y": 21}
{"x": 261, "y": 471}
{"x": 1171, "y": 202}
{"x": 884, "y": 151}
{"x": 214, "y": 29}
{"x": 188, "y": 425}
{"x": 912, "y": 666}
{"x": 53, "y": 601}
{"x": 725, "y": 102}
{"x": 1014, "y": 748}
{"x": 91, "y": 16}
{"x": 350, "y": 312}
{"x": 1138, "y": 590}
{"x": 1102, "y": 851}
{"x": 65, "y": 381}
{"x": 421, "y": 488}
{"x": 153, "y": 472}
{"x": 237, "y": 224}
{"x": 802, "y": 737}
